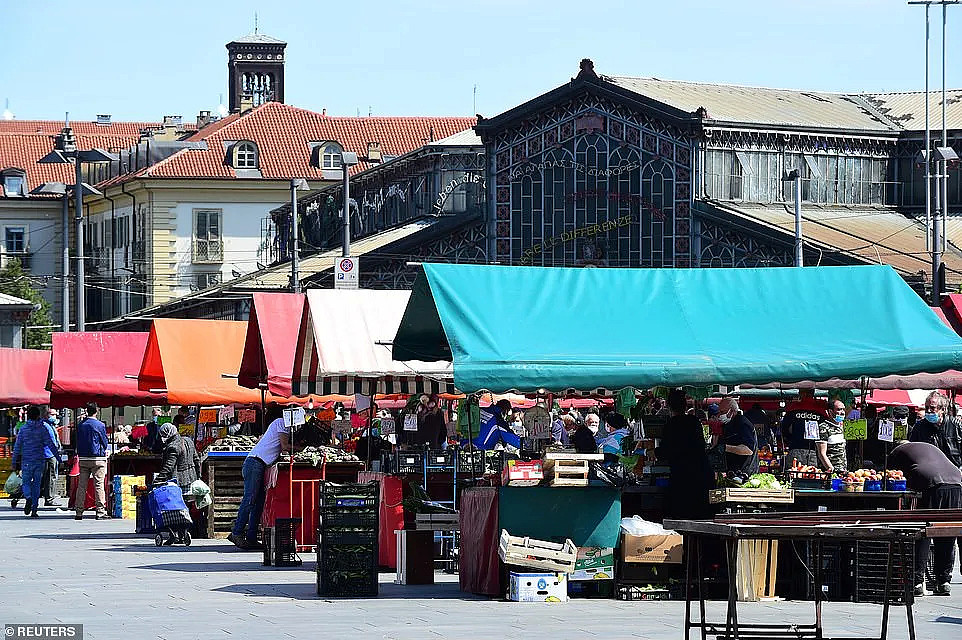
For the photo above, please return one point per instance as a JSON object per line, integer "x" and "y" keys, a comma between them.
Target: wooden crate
{"x": 226, "y": 482}
{"x": 747, "y": 494}
{"x": 537, "y": 554}
{"x": 561, "y": 472}
{"x": 755, "y": 569}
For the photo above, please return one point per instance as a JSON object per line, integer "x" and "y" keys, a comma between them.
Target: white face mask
{"x": 724, "y": 418}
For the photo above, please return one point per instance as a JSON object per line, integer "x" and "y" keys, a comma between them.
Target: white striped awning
{"x": 344, "y": 347}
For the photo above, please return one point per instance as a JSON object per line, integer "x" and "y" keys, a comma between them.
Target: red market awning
{"x": 897, "y": 397}
{"x": 23, "y": 377}
{"x": 275, "y": 320}
{"x": 93, "y": 366}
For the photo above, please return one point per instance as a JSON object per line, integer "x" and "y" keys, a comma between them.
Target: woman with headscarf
{"x": 180, "y": 459}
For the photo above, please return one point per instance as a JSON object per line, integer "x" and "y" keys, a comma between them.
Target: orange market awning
{"x": 23, "y": 377}
{"x": 92, "y": 366}
{"x": 188, "y": 360}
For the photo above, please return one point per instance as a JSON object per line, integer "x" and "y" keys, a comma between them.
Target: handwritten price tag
{"x": 856, "y": 430}
{"x": 388, "y": 426}
{"x": 410, "y": 422}
{"x": 886, "y": 430}
{"x": 811, "y": 429}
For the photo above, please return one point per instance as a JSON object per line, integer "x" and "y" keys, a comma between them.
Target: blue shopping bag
{"x": 167, "y": 506}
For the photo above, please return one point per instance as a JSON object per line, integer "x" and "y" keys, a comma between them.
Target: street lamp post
{"x": 795, "y": 176}
{"x": 296, "y": 183}
{"x": 348, "y": 160}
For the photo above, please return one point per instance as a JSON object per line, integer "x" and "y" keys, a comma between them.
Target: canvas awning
{"x": 345, "y": 347}
{"x": 561, "y": 329}
{"x": 188, "y": 360}
{"x": 23, "y": 377}
{"x": 272, "y": 329}
{"x": 91, "y": 366}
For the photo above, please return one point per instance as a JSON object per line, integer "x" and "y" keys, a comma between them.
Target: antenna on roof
{"x": 7, "y": 113}
{"x": 255, "y": 22}
{"x": 474, "y": 106}
{"x": 368, "y": 111}
{"x": 66, "y": 118}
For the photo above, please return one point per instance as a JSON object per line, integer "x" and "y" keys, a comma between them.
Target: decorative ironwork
{"x": 722, "y": 247}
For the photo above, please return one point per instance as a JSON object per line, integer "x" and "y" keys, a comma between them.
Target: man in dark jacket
{"x": 29, "y": 457}
{"x": 940, "y": 429}
{"x": 928, "y": 471}
{"x": 92, "y": 451}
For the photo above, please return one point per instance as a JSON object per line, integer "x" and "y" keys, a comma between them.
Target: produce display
{"x": 317, "y": 455}
{"x": 756, "y": 481}
{"x": 806, "y": 471}
{"x": 234, "y": 441}
{"x": 894, "y": 474}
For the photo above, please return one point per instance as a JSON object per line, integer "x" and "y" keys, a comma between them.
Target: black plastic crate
{"x": 347, "y": 536}
{"x": 347, "y": 584}
{"x": 358, "y": 558}
{"x": 408, "y": 462}
{"x": 280, "y": 546}
{"x": 355, "y": 519}
{"x": 440, "y": 459}
{"x": 347, "y": 570}
{"x": 834, "y": 584}
{"x": 349, "y": 496}
{"x": 144, "y": 522}
{"x": 871, "y": 566}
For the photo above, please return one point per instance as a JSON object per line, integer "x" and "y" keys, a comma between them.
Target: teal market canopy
{"x": 526, "y": 329}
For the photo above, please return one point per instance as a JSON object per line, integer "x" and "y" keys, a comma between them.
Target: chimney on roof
{"x": 324, "y": 111}
{"x": 173, "y": 120}
{"x": 103, "y": 119}
{"x": 373, "y": 152}
{"x": 203, "y": 119}
{"x": 246, "y": 103}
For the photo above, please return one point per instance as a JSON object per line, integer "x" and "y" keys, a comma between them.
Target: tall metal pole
{"x": 928, "y": 141}
{"x": 65, "y": 266}
{"x": 295, "y": 248}
{"x": 346, "y": 248}
{"x": 937, "y": 206}
{"x": 79, "y": 214}
{"x": 945, "y": 139}
{"x": 798, "y": 220}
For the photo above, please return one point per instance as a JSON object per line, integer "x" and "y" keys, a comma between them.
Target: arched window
{"x": 331, "y": 156}
{"x": 245, "y": 155}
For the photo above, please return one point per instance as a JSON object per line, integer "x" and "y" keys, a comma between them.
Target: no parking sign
{"x": 346, "y": 273}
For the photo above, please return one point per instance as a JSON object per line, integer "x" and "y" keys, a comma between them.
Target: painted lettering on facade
{"x": 581, "y": 232}
{"x": 449, "y": 188}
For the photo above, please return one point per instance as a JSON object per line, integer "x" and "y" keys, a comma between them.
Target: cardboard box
{"x": 594, "y": 563}
{"x": 517, "y": 473}
{"x": 538, "y": 587}
{"x": 666, "y": 549}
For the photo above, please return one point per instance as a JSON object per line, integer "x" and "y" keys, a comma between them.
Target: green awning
{"x": 563, "y": 329}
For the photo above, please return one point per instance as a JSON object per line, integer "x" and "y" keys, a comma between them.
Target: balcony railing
{"x": 207, "y": 251}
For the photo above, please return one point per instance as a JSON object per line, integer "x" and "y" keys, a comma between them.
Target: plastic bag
{"x": 198, "y": 488}
{"x": 638, "y": 526}
{"x": 13, "y": 483}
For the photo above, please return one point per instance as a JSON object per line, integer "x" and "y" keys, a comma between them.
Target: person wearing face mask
{"x": 738, "y": 438}
{"x": 584, "y": 437}
{"x": 939, "y": 429}
{"x": 830, "y": 446}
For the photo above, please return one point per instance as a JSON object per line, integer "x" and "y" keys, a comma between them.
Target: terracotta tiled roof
{"x": 23, "y": 150}
{"x": 282, "y": 134}
{"x": 53, "y": 127}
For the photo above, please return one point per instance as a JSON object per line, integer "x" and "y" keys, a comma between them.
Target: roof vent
{"x": 103, "y": 119}
{"x": 173, "y": 120}
{"x": 373, "y": 152}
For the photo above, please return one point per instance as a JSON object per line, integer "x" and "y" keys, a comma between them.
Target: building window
{"x": 15, "y": 239}
{"x": 14, "y": 185}
{"x": 207, "y": 242}
{"x": 206, "y": 280}
{"x": 245, "y": 155}
{"x": 331, "y": 157}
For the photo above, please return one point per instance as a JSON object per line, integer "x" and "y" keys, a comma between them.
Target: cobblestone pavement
{"x": 119, "y": 585}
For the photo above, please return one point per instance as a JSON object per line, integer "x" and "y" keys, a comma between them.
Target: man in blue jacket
{"x": 52, "y": 463}
{"x": 29, "y": 458}
{"x": 92, "y": 451}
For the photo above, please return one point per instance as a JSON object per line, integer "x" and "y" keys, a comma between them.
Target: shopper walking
{"x": 92, "y": 451}
{"x": 268, "y": 449}
{"x": 929, "y": 471}
{"x": 52, "y": 460}
{"x": 29, "y": 458}
{"x": 180, "y": 461}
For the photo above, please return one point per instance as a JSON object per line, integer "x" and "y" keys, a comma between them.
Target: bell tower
{"x": 255, "y": 65}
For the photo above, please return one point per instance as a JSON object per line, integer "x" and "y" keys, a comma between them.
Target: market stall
{"x": 683, "y": 313}
{"x": 269, "y": 349}
{"x": 23, "y": 377}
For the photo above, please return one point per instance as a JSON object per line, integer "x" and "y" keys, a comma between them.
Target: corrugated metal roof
{"x": 8, "y": 300}
{"x": 466, "y": 138}
{"x": 871, "y": 234}
{"x": 761, "y": 106}
{"x": 908, "y": 109}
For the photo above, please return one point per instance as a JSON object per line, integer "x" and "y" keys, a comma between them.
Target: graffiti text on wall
{"x": 581, "y": 232}
{"x": 528, "y": 169}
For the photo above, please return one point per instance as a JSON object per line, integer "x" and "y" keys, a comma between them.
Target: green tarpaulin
{"x": 558, "y": 329}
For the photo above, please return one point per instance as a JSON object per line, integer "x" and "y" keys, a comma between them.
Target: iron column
{"x": 79, "y": 214}
{"x": 295, "y": 249}
{"x": 65, "y": 267}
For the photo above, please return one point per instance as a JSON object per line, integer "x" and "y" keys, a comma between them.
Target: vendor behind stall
{"x": 930, "y": 472}
{"x": 738, "y": 438}
{"x": 494, "y": 427}
{"x": 830, "y": 446}
{"x": 806, "y": 409}
{"x": 683, "y": 449}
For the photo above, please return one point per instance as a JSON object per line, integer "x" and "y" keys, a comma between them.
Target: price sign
{"x": 811, "y": 429}
{"x": 294, "y": 417}
{"x": 855, "y": 430}
{"x": 225, "y": 414}
{"x": 886, "y": 430}
{"x": 388, "y": 426}
{"x": 410, "y": 422}
{"x": 341, "y": 428}
{"x": 326, "y": 415}
{"x": 207, "y": 416}
{"x": 246, "y": 416}
{"x": 537, "y": 422}
{"x": 901, "y": 431}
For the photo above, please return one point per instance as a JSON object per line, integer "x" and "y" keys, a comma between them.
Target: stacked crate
{"x": 347, "y": 558}
{"x": 223, "y": 476}
{"x": 871, "y": 567}
{"x": 125, "y": 500}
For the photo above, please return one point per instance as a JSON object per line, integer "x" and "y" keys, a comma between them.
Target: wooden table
{"x": 900, "y": 535}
